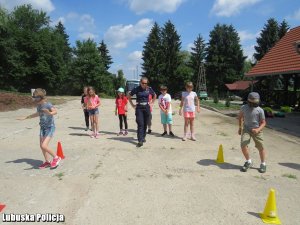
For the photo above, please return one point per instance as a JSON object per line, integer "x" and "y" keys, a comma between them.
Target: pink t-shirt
{"x": 91, "y": 102}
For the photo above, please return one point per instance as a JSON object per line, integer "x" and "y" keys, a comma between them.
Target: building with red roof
{"x": 282, "y": 60}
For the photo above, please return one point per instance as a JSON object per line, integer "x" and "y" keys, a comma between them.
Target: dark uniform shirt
{"x": 142, "y": 95}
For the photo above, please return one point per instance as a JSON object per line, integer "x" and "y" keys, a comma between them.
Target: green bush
{"x": 286, "y": 109}
{"x": 268, "y": 109}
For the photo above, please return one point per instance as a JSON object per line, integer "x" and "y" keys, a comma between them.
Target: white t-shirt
{"x": 164, "y": 101}
{"x": 189, "y": 101}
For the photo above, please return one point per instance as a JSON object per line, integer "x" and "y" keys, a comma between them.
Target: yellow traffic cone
{"x": 220, "y": 157}
{"x": 270, "y": 213}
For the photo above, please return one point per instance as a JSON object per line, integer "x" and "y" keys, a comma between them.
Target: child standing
{"x": 164, "y": 103}
{"x": 254, "y": 121}
{"x": 188, "y": 104}
{"x": 45, "y": 111}
{"x": 85, "y": 111}
{"x": 121, "y": 110}
{"x": 92, "y": 102}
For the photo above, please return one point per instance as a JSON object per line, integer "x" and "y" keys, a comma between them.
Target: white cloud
{"x": 87, "y": 35}
{"x": 295, "y": 15}
{"x": 119, "y": 36}
{"x": 60, "y": 19}
{"x": 229, "y": 8}
{"x": 246, "y": 35}
{"x": 190, "y": 46}
{"x": 161, "y": 6}
{"x": 249, "y": 51}
{"x": 45, "y": 5}
{"x": 135, "y": 56}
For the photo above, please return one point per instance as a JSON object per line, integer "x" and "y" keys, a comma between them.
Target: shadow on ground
{"x": 79, "y": 134}
{"x": 254, "y": 214}
{"x": 77, "y": 128}
{"x": 34, "y": 163}
{"x": 124, "y": 139}
{"x": 295, "y": 166}
{"x": 224, "y": 166}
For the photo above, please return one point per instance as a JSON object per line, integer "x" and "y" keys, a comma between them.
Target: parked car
{"x": 203, "y": 95}
{"x": 235, "y": 98}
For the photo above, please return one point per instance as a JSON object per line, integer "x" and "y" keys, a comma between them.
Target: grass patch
{"x": 220, "y": 106}
{"x": 59, "y": 175}
{"x": 291, "y": 176}
{"x": 260, "y": 177}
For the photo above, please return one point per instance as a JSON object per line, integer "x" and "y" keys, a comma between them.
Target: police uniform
{"x": 142, "y": 111}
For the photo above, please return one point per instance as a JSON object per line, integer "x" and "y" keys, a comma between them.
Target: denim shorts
{"x": 93, "y": 111}
{"x": 47, "y": 132}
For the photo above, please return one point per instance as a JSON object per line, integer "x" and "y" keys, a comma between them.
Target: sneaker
{"x": 86, "y": 129}
{"x": 193, "y": 138}
{"x": 44, "y": 165}
{"x": 246, "y": 166}
{"x": 149, "y": 131}
{"x": 120, "y": 133}
{"x": 140, "y": 144}
{"x": 92, "y": 135}
{"x": 171, "y": 134}
{"x": 125, "y": 133}
{"x": 184, "y": 138}
{"x": 55, "y": 162}
{"x": 97, "y": 136}
{"x": 164, "y": 133}
{"x": 262, "y": 169}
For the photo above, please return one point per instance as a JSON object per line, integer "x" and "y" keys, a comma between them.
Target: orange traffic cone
{"x": 60, "y": 151}
{"x": 270, "y": 213}
{"x": 1, "y": 207}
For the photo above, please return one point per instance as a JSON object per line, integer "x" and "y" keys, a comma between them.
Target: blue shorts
{"x": 166, "y": 119}
{"x": 93, "y": 111}
{"x": 47, "y": 132}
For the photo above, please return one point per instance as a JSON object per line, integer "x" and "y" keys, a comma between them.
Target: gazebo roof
{"x": 283, "y": 58}
{"x": 240, "y": 85}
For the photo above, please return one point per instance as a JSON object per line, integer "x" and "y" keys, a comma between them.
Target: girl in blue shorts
{"x": 45, "y": 111}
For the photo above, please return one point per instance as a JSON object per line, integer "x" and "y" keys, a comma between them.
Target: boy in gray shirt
{"x": 253, "y": 119}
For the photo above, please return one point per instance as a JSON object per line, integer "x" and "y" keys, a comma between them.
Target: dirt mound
{"x": 13, "y": 101}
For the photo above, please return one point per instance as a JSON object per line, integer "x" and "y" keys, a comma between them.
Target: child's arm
{"x": 240, "y": 119}
{"x": 52, "y": 111}
{"x": 261, "y": 126}
{"x": 116, "y": 110}
{"x": 198, "y": 104}
{"x": 29, "y": 117}
{"x": 180, "y": 106}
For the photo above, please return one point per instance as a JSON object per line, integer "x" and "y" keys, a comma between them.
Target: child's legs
{"x": 86, "y": 116}
{"x": 125, "y": 122}
{"x": 165, "y": 127}
{"x": 245, "y": 141}
{"x": 192, "y": 125}
{"x": 92, "y": 122}
{"x": 96, "y": 122}
{"x": 258, "y": 139}
{"x": 186, "y": 125}
{"x": 149, "y": 122}
{"x": 121, "y": 122}
{"x": 170, "y": 127}
{"x": 44, "y": 142}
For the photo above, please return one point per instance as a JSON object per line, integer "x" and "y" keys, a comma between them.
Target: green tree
{"x": 267, "y": 39}
{"x": 120, "y": 80}
{"x": 104, "y": 53}
{"x": 198, "y": 55}
{"x": 224, "y": 60}
{"x": 65, "y": 45}
{"x": 152, "y": 58}
{"x": 171, "y": 44}
{"x": 283, "y": 28}
{"x": 86, "y": 69}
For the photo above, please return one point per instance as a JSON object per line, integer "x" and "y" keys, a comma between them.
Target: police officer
{"x": 142, "y": 107}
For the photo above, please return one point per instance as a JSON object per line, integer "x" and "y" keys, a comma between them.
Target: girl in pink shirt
{"x": 92, "y": 102}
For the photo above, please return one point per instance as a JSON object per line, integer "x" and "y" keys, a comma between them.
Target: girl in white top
{"x": 188, "y": 108}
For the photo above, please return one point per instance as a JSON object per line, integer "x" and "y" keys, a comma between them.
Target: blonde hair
{"x": 189, "y": 84}
{"x": 39, "y": 92}
{"x": 88, "y": 91}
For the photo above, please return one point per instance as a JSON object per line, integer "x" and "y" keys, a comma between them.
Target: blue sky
{"x": 125, "y": 24}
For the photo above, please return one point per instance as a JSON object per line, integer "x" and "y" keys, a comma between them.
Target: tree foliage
{"x": 224, "y": 60}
